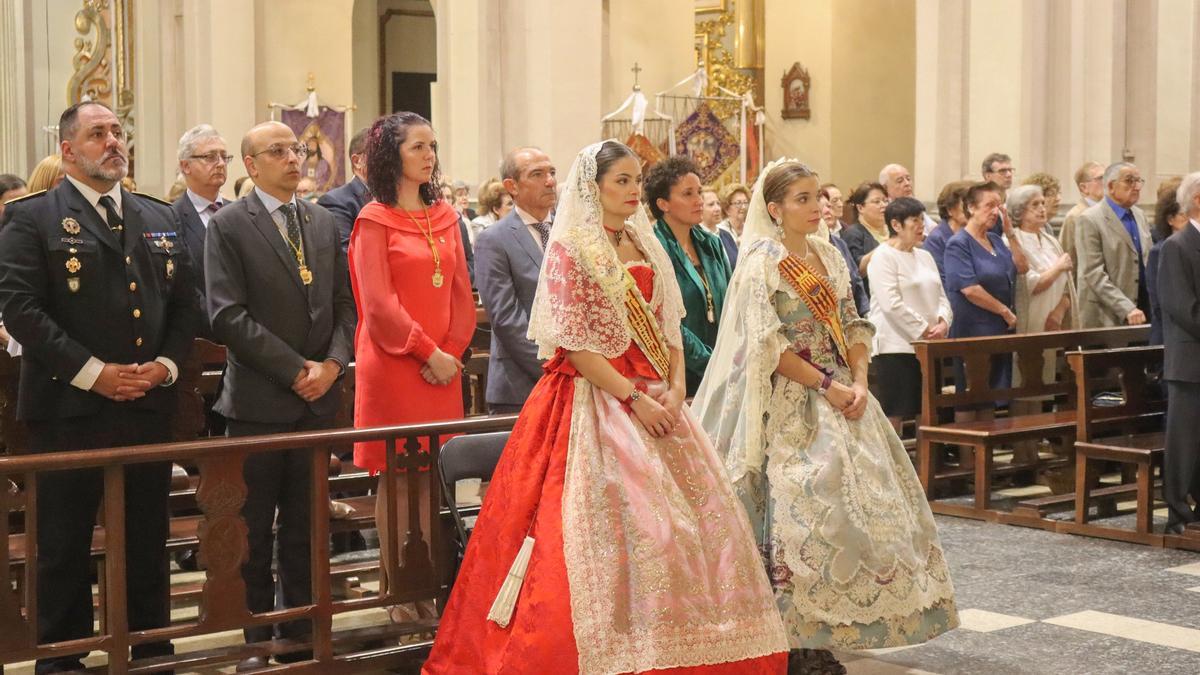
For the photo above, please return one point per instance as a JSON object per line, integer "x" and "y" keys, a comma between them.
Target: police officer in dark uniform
{"x": 96, "y": 285}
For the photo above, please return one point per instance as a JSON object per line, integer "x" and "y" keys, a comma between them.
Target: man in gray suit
{"x": 508, "y": 258}
{"x": 279, "y": 298}
{"x": 203, "y": 163}
{"x": 1112, "y": 242}
{"x": 1179, "y": 288}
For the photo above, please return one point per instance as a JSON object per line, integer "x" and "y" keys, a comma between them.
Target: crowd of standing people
{"x": 773, "y": 518}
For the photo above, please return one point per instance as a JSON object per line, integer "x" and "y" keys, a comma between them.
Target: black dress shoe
{"x": 251, "y": 663}
{"x": 1174, "y": 528}
{"x": 294, "y": 657}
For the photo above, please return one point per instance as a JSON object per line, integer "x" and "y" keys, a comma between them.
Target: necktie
{"x": 115, "y": 222}
{"x": 543, "y": 230}
{"x": 293, "y": 225}
{"x": 1132, "y": 228}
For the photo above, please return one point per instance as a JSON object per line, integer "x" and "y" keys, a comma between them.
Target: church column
{"x": 467, "y": 94}
{"x": 942, "y": 110}
{"x": 1177, "y": 121}
{"x": 14, "y": 137}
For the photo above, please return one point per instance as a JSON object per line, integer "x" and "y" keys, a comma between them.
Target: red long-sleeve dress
{"x": 403, "y": 317}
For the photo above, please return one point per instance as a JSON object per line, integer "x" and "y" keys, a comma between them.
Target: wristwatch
{"x": 826, "y": 383}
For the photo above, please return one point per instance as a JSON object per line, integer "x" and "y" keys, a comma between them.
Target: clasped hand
{"x": 130, "y": 381}
{"x": 659, "y": 414}
{"x": 441, "y": 368}
{"x": 851, "y": 401}
{"x": 315, "y": 379}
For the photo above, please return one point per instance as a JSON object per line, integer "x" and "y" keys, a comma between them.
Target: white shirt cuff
{"x": 172, "y": 369}
{"x": 86, "y": 378}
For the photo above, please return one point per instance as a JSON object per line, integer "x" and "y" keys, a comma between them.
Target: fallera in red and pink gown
{"x": 644, "y": 560}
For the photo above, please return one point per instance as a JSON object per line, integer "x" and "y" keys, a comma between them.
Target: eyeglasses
{"x": 212, "y": 158}
{"x": 877, "y": 200}
{"x": 739, "y": 205}
{"x": 1007, "y": 171}
{"x": 280, "y": 150}
{"x": 1133, "y": 182}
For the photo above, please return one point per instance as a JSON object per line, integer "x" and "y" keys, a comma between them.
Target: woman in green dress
{"x": 674, "y": 194}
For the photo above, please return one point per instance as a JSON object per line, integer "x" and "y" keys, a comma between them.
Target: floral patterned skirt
{"x": 850, "y": 544}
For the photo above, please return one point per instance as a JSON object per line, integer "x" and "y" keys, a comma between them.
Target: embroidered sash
{"x": 818, "y": 296}
{"x": 646, "y": 331}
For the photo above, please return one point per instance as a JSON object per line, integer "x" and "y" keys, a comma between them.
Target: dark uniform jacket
{"x": 270, "y": 321}
{"x": 71, "y": 290}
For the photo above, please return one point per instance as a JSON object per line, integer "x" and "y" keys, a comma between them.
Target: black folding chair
{"x": 463, "y": 457}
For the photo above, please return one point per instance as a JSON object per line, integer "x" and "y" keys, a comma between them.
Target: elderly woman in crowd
{"x": 1169, "y": 218}
{"x": 673, "y": 192}
{"x": 869, "y": 201}
{"x": 981, "y": 275}
{"x": 494, "y": 202}
{"x": 953, "y": 214}
{"x": 734, "y": 199}
{"x": 907, "y": 304}
{"x": 1045, "y": 293}
{"x": 1051, "y": 191}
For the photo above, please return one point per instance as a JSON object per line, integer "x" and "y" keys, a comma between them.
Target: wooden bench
{"x": 982, "y": 438}
{"x": 1128, "y": 430}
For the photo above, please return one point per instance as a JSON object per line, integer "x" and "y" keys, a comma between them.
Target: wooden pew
{"x": 1130, "y": 433}
{"x": 1126, "y": 429}
{"x": 1028, "y": 350}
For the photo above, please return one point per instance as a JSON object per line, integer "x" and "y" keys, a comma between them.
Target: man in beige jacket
{"x": 1089, "y": 178}
{"x": 1112, "y": 242}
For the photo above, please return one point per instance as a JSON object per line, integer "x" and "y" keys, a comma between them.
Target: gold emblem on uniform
{"x": 73, "y": 265}
{"x": 70, "y": 226}
{"x": 164, "y": 243}
{"x": 73, "y": 284}
{"x": 170, "y": 268}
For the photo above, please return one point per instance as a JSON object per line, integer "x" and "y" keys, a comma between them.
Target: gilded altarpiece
{"x": 102, "y": 62}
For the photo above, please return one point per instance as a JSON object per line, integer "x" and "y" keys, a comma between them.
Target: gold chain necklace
{"x": 437, "y": 279}
{"x": 306, "y": 275}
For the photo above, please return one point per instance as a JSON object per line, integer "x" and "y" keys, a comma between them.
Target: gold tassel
{"x": 506, "y": 599}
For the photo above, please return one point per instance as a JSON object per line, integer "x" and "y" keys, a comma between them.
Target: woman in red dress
{"x": 413, "y": 291}
{"x": 632, "y": 552}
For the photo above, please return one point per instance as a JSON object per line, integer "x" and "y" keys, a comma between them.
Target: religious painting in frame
{"x": 704, "y": 138}
{"x": 325, "y": 137}
{"x": 796, "y": 85}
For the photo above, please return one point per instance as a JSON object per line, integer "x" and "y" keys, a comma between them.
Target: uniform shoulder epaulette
{"x": 22, "y": 198}
{"x": 160, "y": 200}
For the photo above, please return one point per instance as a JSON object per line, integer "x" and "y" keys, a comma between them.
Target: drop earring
{"x": 779, "y": 227}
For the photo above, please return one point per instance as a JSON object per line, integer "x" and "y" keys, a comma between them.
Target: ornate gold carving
{"x": 91, "y": 62}
{"x": 718, "y": 64}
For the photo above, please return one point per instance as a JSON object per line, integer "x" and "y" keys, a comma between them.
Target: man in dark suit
{"x": 508, "y": 257}
{"x": 203, "y": 163}
{"x": 1179, "y": 288}
{"x": 95, "y": 283}
{"x": 279, "y": 298}
{"x": 345, "y": 201}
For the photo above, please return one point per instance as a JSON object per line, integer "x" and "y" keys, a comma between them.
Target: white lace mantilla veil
{"x": 733, "y": 397}
{"x": 580, "y": 300}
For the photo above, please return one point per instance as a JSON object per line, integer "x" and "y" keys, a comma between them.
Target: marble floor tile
{"x": 983, "y": 621}
{"x": 1191, "y": 568}
{"x": 1129, "y": 628}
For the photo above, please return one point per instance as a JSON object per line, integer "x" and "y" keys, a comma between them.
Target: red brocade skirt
{"x": 529, "y": 481}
